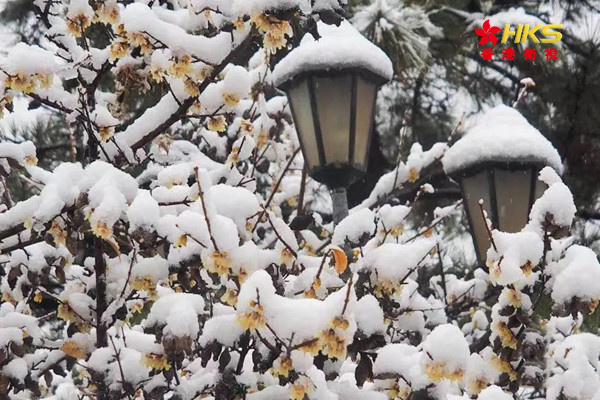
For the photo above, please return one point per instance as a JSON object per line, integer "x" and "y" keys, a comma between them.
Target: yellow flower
{"x": 397, "y": 230}
{"x": 231, "y": 99}
{"x": 28, "y": 224}
{"x": 109, "y": 14}
{"x": 181, "y": 67}
{"x": 102, "y": 230}
{"x": 106, "y": 132}
{"x": 506, "y": 335}
{"x": 66, "y": 313}
{"x": 217, "y": 124}
{"x": 155, "y": 361}
{"x": 191, "y": 87}
{"x": 229, "y": 297}
{"x": 219, "y": 263}
{"x": 77, "y": 24}
{"x": 139, "y": 40}
{"x": 261, "y": 21}
{"x": 143, "y": 283}
{"x": 118, "y": 49}
{"x": 413, "y": 175}
{"x": 339, "y": 323}
{"x": 311, "y": 293}
{"x": 233, "y": 157}
{"x": 38, "y": 297}
{"x": 252, "y": 320}
{"x": 181, "y": 241}
{"x": 301, "y": 389}
{"x": 437, "y": 371}
{"x": 59, "y": 234}
{"x": 334, "y": 346}
{"x": 263, "y": 139}
{"x": 247, "y": 126}
{"x": 239, "y": 24}
{"x": 282, "y": 367}
{"x": 7, "y": 297}
{"x": 20, "y": 83}
{"x": 273, "y": 42}
{"x": 137, "y": 307}
{"x": 515, "y": 298}
{"x": 45, "y": 80}
{"x": 30, "y": 160}
{"x": 286, "y": 256}
{"x": 387, "y": 287}
{"x": 477, "y": 385}
{"x": 313, "y": 347}
{"x": 157, "y": 74}
{"x": 505, "y": 367}
{"x": 527, "y": 268}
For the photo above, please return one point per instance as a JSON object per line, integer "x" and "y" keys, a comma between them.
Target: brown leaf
{"x": 364, "y": 370}
{"x": 72, "y": 349}
{"x": 340, "y": 260}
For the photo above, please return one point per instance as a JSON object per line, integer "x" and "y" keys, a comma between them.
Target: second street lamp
{"x": 496, "y": 165}
{"x": 332, "y": 84}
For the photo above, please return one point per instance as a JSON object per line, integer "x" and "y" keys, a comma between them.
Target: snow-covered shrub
{"x": 167, "y": 266}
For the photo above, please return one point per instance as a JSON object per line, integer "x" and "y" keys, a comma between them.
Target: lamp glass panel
{"x": 365, "y": 101}
{"x": 475, "y": 188}
{"x": 513, "y": 191}
{"x": 334, "y": 100}
{"x": 299, "y": 97}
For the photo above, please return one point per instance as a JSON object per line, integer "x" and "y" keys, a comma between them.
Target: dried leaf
{"x": 340, "y": 259}
{"x": 364, "y": 370}
{"x": 72, "y": 349}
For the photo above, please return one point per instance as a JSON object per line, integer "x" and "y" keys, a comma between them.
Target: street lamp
{"x": 496, "y": 165}
{"x": 331, "y": 84}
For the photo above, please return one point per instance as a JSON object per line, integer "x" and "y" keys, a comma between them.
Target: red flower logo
{"x": 487, "y": 33}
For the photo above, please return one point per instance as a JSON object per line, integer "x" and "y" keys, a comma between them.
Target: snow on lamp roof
{"x": 501, "y": 135}
{"x": 339, "y": 47}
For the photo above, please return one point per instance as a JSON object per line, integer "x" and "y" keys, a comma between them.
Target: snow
{"x": 502, "y": 134}
{"x": 29, "y": 60}
{"x": 394, "y": 262}
{"x": 138, "y": 17}
{"x": 494, "y": 393}
{"x": 447, "y": 352}
{"x": 16, "y": 369}
{"x": 576, "y": 276}
{"x": 514, "y": 251}
{"x": 369, "y": 316}
{"x": 400, "y": 359}
{"x": 556, "y": 202}
{"x": 338, "y": 48}
{"x": 178, "y": 312}
{"x": 354, "y": 227}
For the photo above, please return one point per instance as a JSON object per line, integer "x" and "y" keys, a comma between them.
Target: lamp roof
{"x": 501, "y": 135}
{"x": 340, "y": 47}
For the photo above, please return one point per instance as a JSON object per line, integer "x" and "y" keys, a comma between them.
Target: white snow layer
{"x": 502, "y": 134}
{"x": 338, "y": 48}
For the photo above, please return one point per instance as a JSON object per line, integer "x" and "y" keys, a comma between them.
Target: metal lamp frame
{"x": 490, "y": 167}
{"x": 335, "y": 175}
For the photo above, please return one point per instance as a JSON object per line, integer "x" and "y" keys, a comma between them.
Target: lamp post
{"x": 331, "y": 84}
{"x": 496, "y": 165}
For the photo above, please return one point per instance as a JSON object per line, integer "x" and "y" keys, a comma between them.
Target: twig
{"x": 347, "y": 299}
{"x": 287, "y": 167}
{"x": 487, "y": 228}
{"x": 117, "y": 353}
{"x": 201, "y": 195}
